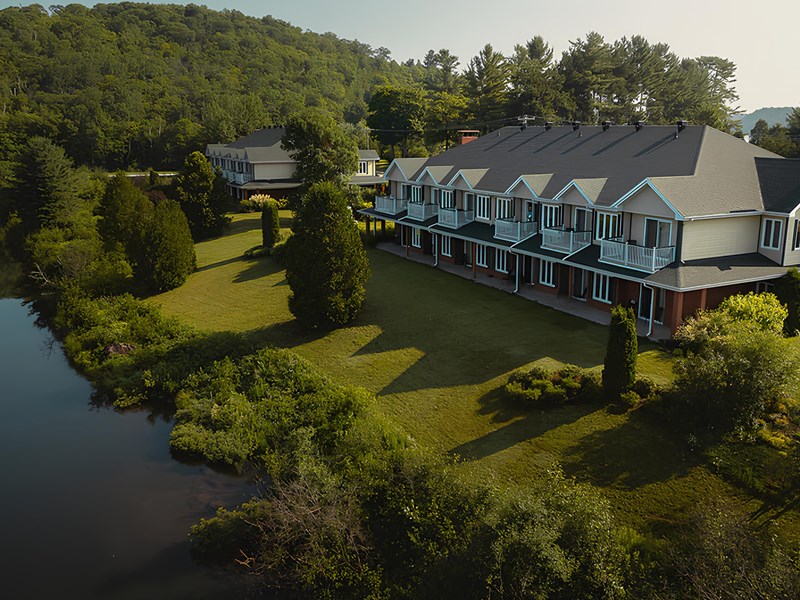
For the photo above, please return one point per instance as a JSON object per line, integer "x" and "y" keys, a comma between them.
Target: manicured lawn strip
{"x": 436, "y": 349}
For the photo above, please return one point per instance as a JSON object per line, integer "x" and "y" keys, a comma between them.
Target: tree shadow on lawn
{"x": 525, "y": 424}
{"x": 636, "y": 453}
{"x": 220, "y": 263}
{"x": 467, "y": 333}
{"x": 257, "y": 268}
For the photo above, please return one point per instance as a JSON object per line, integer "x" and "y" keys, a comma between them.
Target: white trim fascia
{"x": 451, "y": 184}
{"x": 749, "y": 213}
{"x": 513, "y": 185}
{"x": 426, "y": 170}
{"x": 647, "y": 182}
{"x": 394, "y": 163}
{"x": 574, "y": 184}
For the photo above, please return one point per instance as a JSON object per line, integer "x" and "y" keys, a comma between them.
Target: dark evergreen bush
{"x": 619, "y": 367}
{"x": 270, "y": 224}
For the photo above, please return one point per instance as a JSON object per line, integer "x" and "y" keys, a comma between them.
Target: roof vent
{"x": 639, "y": 124}
{"x": 606, "y": 125}
{"x": 548, "y": 125}
{"x": 682, "y": 125}
{"x": 576, "y": 125}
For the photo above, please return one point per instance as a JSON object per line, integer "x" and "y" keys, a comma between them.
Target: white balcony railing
{"x": 561, "y": 240}
{"x": 615, "y": 251}
{"x": 235, "y": 177}
{"x": 390, "y": 205}
{"x": 514, "y": 231}
{"x": 422, "y": 212}
{"x": 455, "y": 218}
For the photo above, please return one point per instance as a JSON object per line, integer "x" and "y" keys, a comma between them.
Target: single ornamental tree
{"x": 270, "y": 223}
{"x": 170, "y": 248}
{"x": 201, "y": 194}
{"x": 326, "y": 265}
{"x": 619, "y": 367}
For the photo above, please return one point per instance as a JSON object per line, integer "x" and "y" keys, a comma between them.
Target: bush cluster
{"x": 567, "y": 385}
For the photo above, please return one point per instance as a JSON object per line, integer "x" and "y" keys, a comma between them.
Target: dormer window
{"x": 607, "y": 226}
{"x": 552, "y": 215}
{"x": 447, "y": 199}
{"x": 504, "y": 208}
{"x": 483, "y": 208}
{"x": 363, "y": 167}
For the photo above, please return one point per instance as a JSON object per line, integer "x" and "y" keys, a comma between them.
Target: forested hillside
{"x": 133, "y": 84}
{"x": 136, "y": 85}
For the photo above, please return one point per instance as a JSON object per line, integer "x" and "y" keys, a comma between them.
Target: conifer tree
{"x": 270, "y": 223}
{"x": 619, "y": 367}
{"x": 326, "y": 265}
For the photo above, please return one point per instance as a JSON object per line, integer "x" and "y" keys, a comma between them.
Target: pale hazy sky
{"x": 762, "y": 37}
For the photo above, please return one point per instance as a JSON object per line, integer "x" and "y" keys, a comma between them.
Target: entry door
{"x": 467, "y": 253}
{"x": 578, "y": 283}
{"x": 645, "y": 296}
{"x": 582, "y": 219}
{"x": 657, "y": 233}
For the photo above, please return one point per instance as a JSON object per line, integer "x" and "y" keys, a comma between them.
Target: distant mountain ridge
{"x": 771, "y": 115}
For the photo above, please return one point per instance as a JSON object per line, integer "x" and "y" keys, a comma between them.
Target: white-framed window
{"x": 480, "y": 255}
{"x": 434, "y": 195}
{"x": 547, "y": 275}
{"x": 447, "y": 199}
{"x": 552, "y": 215}
{"x": 363, "y": 167}
{"x": 501, "y": 260}
{"x": 763, "y": 287}
{"x": 771, "y": 231}
{"x": 601, "y": 289}
{"x": 404, "y": 187}
{"x": 505, "y": 208}
{"x": 416, "y": 238}
{"x": 607, "y": 226}
{"x": 447, "y": 249}
{"x": 582, "y": 219}
{"x": 483, "y": 207}
{"x": 416, "y": 193}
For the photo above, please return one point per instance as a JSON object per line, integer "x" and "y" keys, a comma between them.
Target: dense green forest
{"x": 135, "y": 85}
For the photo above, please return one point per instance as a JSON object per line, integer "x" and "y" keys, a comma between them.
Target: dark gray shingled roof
{"x": 703, "y": 171}
{"x": 779, "y": 179}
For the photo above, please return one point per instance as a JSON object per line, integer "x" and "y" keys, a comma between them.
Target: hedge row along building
{"x": 667, "y": 218}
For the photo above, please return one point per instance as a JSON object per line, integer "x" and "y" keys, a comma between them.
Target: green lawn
{"x": 436, "y": 348}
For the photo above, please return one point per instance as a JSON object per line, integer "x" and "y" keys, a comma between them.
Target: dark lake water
{"x": 92, "y": 504}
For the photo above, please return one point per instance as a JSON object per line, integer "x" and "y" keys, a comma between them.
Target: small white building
{"x": 257, "y": 163}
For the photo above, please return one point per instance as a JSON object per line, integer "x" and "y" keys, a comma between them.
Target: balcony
{"x": 235, "y": 177}
{"x": 559, "y": 239}
{"x": 421, "y": 211}
{"x": 615, "y": 251}
{"x": 390, "y": 205}
{"x": 514, "y": 231}
{"x": 454, "y": 217}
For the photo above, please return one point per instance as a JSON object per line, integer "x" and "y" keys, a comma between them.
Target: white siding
{"x": 274, "y": 170}
{"x": 720, "y": 237}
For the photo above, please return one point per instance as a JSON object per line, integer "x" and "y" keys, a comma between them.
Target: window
{"x": 446, "y": 246}
{"x": 602, "y": 288}
{"x": 582, "y": 219}
{"x": 552, "y": 215}
{"x": 447, "y": 199}
{"x": 501, "y": 261}
{"x": 416, "y": 238}
{"x": 434, "y": 195}
{"x": 404, "y": 190}
{"x": 607, "y": 226}
{"x": 547, "y": 273}
{"x": 771, "y": 234}
{"x": 657, "y": 233}
{"x": 483, "y": 209}
{"x": 416, "y": 193}
{"x": 480, "y": 255}
{"x": 505, "y": 208}
{"x": 363, "y": 167}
